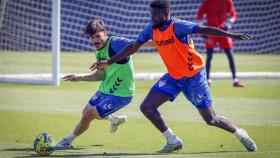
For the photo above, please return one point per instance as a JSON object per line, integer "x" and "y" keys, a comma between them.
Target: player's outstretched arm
{"x": 127, "y": 51}
{"x": 97, "y": 76}
{"x": 218, "y": 32}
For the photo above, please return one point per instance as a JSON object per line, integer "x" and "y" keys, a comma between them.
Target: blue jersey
{"x": 116, "y": 45}
{"x": 182, "y": 30}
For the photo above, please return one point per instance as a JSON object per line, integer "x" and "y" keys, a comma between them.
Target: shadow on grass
{"x": 75, "y": 152}
{"x": 29, "y": 152}
{"x": 31, "y": 149}
{"x": 104, "y": 154}
{"x": 18, "y": 149}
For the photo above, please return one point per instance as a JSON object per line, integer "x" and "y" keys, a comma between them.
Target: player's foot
{"x": 248, "y": 143}
{"x": 114, "y": 126}
{"x": 64, "y": 143}
{"x": 168, "y": 148}
{"x": 238, "y": 84}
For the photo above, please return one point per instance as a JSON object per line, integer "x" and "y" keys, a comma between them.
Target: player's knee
{"x": 212, "y": 122}
{"x": 89, "y": 115}
{"x": 145, "y": 109}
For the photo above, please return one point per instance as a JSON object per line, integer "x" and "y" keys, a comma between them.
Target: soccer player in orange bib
{"x": 186, "y": 72}
{"x": 216, "y": 15}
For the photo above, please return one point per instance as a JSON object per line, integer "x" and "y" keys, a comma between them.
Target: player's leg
{"x": 100, "y": 106}
{"x": 197, "y": 91}
{"x": 149, "y": 107}
{"x": 236, "y": 82}
{"x": 210, "y": 118}
{"x": 208, "y": 114}
{"x": 208, "y": 64}
{"x": 227, "y": 45}
{"x": 165, "y": 89}
{"x": 89, "y": 113}
{"x": 210, "y": 43}
{"x": 231, "y": 62}
{"x": 110, "y": 104}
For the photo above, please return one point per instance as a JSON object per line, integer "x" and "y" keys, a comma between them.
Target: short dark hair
{"x": 93, "y": 26}
{"x": 160, "y": 4}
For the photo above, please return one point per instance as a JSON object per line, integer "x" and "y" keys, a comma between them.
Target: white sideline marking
{"x": 46, "y": 78}
{"x": 218, "y": 75}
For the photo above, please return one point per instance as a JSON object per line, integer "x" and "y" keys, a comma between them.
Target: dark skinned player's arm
{"x": 127, "y": 51}
{"x": 206, "y": 30}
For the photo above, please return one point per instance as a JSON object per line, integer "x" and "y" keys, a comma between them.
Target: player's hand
{"x": 242, "y": 36}
{"x": 72, "y": 78}
{"x": 227, "y": 26}
{"x": 99, "y": 65}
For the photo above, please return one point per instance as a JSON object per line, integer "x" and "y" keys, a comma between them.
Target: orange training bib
{"x": 180, "y": 58}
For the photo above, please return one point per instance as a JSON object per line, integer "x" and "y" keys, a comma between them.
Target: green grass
{"x": 27, "y": 110}
{"x": 23, "y": 62}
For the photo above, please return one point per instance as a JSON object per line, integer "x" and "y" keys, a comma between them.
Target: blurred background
{"x": 26, "y": 24}
{"x": 26, "y": 34}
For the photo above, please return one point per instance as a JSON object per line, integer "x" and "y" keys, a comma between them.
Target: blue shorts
{"x": 195, "y": 89}
{"x": 107, "y": 104}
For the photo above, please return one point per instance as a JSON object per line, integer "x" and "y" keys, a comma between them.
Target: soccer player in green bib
{"x": 117, "y": 83}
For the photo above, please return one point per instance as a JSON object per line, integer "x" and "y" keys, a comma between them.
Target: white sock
{"x": 209, "y": 80}
{"x": 170, "y": 136}
{"x": 71, "y": 137}
{"x": 235, "y": 80}
{"x": 113, "y": 118}
{"x": 239, "y": 133}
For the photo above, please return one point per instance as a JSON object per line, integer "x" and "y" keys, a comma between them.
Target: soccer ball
{"x": 43, "y": 144}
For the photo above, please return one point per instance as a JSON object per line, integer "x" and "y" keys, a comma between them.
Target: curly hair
{"x": 93, "y": 26}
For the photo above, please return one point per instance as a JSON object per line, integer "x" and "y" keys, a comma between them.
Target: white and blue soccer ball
{"x": 44, "y": 144}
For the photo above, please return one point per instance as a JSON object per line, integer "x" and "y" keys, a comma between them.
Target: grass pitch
{"x": 27, "y": 110}
{"x": 40, "y": 62}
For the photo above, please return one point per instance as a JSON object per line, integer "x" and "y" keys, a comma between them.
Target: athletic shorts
{"x": 195, "y": 89}
{"x": 107, "y": 104}
{"x": 224, "y": 42}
